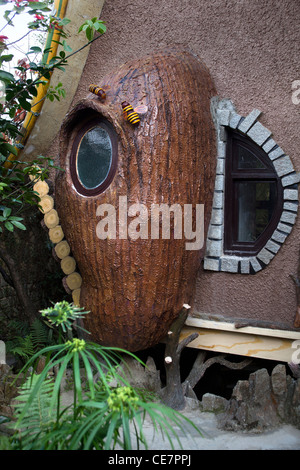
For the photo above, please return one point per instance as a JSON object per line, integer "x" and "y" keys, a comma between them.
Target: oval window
{"x": 93, "y": 157}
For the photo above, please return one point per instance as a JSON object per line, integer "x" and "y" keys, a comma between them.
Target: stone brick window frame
{"x": 215, "y": 259}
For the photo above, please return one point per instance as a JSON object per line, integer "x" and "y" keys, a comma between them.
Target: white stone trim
{"x": 224, "y": 115}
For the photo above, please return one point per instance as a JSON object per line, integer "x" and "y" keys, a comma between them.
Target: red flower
{"x": 3, "y": 38}
{"x": 39, "y": 17}
{"x": 54, "y": 23}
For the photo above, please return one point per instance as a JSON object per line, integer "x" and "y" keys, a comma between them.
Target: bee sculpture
{"x": 132, "y": 115}
{"x": 99, "y": 91}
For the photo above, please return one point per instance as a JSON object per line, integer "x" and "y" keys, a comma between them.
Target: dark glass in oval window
{"x": 94, "y": 158}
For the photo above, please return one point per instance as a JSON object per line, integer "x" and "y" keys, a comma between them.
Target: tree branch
{"x": 200, "y": 367}
{"x": 17, "y": 281}
{"x": 6, "y": 277}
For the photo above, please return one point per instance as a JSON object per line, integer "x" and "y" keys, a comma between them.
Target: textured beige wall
{"x": 52, "y": 113}
{"x": 252, "y": 51}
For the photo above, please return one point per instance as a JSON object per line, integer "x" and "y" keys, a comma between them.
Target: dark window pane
{"x": 94, "y": 157}
{"x": 256, "y": 203}
{"x": 247, "y": 160}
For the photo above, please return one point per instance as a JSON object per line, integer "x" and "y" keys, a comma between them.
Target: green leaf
{"x": 64, "y": 21}
{"x": 6, "y": 76}
{"x": 60, "y": 68}
{"x": 10, "y": 148}
{"x": 34, "y": 50}
{"x": 18, "y": 224}
{"x": 100, "y": 27}
{"x": 89, "y": 33}
{"x": 9, "y": 226}
{"x": 83, "y": 27}
{"x": 33, "y": 90}
{"x": 37, "y": 6}
{"x": 66, "y": 47}
{"x": 6, "y": 58}
{"x": 12, "y": 112}
{"x": 25, "y": 104}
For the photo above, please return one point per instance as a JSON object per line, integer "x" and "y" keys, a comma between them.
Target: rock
{"x": 147, "y": 378}
{"x": 296, "y": 394}
{"x": 6, "y": 410}
{"x": 241, "y": 391}
{"x": 213, "y": 403}
{"x": 191, "y": 404}
{"x": 41, "y": 364}
{"x": 279, "y": 388}
{"x": 278, "y": 380}
{"x": 252, "y": 407}
{"x": 260, "y": 386}
{"x": 4, "y": 370}
{"x": 295, "y": 405}
{"x": 295, "y": 368}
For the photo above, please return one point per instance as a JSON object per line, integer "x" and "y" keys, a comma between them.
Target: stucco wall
{"x": 252, "y": 51}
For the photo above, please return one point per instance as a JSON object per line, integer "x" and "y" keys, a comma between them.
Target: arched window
{"x": 255, "y": 201}
{"x": 253, "y": 196}
{"x": 94, "y": 157}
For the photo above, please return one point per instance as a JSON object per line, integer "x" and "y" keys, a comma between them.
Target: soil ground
{"x": 286, "y": 437}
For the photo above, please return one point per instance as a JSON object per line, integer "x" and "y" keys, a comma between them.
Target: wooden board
{"x": 257, "y": 342}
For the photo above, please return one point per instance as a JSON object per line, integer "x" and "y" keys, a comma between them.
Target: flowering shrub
{"x": 16, "y": 190}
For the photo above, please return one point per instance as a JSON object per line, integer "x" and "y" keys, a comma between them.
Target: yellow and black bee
{"x": 132, "y": 115}
{"x": 98, "y": 91}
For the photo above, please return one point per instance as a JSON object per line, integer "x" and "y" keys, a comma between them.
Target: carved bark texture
{"x": 134, "y": 289}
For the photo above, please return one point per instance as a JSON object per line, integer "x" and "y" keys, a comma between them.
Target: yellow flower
{"x": 122, "y": 398}
{"x": 76, "y": 344}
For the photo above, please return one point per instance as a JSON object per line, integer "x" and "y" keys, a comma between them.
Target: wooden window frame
{"x": 81, "y": 132}
{"x": 233, "y": 175}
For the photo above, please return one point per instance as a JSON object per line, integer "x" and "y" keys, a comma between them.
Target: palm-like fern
{"x": 21, "y": 346}
{"x": 40, "y": 334}
{"x": 26, "y": 346}
{"x": 37, "y": 421}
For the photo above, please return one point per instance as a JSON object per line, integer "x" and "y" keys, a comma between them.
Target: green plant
{"x": 16, "y": 191}
{"x": 63, "y": 316}
{"x": 32, "y": 338}
{"x": 100, "y": 416}
{"x": 21, "y": 346}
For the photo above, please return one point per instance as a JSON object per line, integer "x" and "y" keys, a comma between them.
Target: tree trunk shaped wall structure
{"x": 135, "y": 288}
